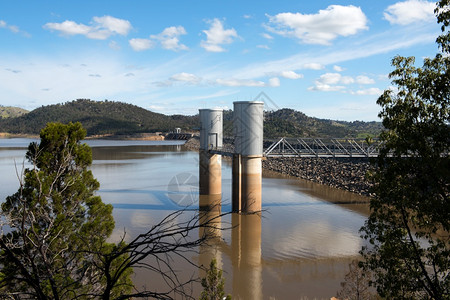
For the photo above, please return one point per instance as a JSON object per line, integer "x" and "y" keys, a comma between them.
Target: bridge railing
{"x": 324, "y": 147}
{"x": 310, "y": 147}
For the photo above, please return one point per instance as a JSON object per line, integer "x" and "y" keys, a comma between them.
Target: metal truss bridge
{"x": 312, "y": 147}
{"x": 315, "y": 147}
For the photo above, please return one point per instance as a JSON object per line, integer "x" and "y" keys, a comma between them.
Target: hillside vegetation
{"x": 98, "y": 118}
{"x": 291, "y": 123}
{"x": 288, "y": 122}
{"x": 117, "y": 118}
{"x": 11, "y": 112}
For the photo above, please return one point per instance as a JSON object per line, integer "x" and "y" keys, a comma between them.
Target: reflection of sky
{"x": 140, "y": 177}
{"x": 10, "y": 159}
{"x": 21, "y": 143}
{"x": 310, "y": 231}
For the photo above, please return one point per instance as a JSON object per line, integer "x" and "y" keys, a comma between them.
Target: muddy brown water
{"x": 299, "y": 248}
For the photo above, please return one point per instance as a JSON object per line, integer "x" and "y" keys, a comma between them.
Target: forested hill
{"x": 11, "y": 112}
{"x": 116, "y": 118}
{"x": 98, "y": 118}
{"x": 291, "y": 123}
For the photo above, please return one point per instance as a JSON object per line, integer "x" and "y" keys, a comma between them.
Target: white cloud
{"x": 330, "y": 78}
{"x": 193, "y": 79}
{"x": 114, "y": 25}
{"x": 328, "y": 82}
{"x": 185, "y": 77}
{"x": 114, "y": 45}
{"x": 392, "y": 40}
{"x": 179, "y": 77}
{"x": 169, "y": 38}
{"x": 141, "y": 44}
{"x": 320, "y": 28}
{"x": 263, "y": 47}
{"x": 157, "y": 108}
{"x": 370, "y": 91}
{"x": 101, "y": 28}
{"x": 13, "y": 28}
{"x": 313, "y": 66}
{"x": 274, "y": 82}
{"x": 290, "y": 75}
{"x": 239, "y": 82}
{"x": 216, "y": 36}
{"x": 410, "y": 11}
{"x": 69, "y": 28}
{"x": 326, "y": 87}
{"x": 383, "y": 77}
{"x": 347, "y": 80}
{"x": 335, "y": 78}
{"x": 267, "y": 36}
{"x": 364, "y": 80}
{"x": 336, "y": 82}
{"x": 162, "y": 84}
{"x": 338, "y": 68}
{"x": 233, "y": 82}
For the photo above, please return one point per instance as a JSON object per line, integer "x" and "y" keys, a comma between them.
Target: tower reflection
{"x": 246, "y": 256}
{"x": 210, "y": 221}
{"x": 244, "y": 251}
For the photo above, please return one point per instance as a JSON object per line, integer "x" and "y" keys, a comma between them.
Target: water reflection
{"x": 243, "y": 250}
{"x": 211, "y": 222}
{"x": 300, "y": 246}
{"x": 246, "y": 256}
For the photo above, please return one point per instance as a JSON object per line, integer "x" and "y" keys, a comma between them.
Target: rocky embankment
{"x": 342, "y": 173}
{"x": 193, "y": 143}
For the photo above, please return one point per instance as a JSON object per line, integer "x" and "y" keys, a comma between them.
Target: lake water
{"x": 299, "y": 248}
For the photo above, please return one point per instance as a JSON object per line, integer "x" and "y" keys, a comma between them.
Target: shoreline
{"x": 346, "y": 174}
{"x": 342, "y": 173}
{"x": 7, "y": 135}
{"x": 130, "y": 137}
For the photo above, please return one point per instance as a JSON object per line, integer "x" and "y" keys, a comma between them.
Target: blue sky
{"x": 328, "y": 59}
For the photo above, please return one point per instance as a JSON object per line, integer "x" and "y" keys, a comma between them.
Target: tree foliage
{"x": 356, "y": 284}
{"x": 54, "y": 232}
{"x": 408, "y": 228}
{"x": 213, "y": 284}
{"x": 50, "y": 221}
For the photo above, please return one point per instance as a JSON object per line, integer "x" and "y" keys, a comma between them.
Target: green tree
{"x": 408, "y": 228}
{"x": 51, "y": 220}
{"x": 213, "y": 284}
{"x": 54, "y": 231}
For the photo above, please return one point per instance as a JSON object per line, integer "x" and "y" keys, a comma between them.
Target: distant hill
{"x": 117, "y": 118}
{"x": 291, "y": 123}
{"x": 11, "y": 112}
{"x": 98, "y": 118}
